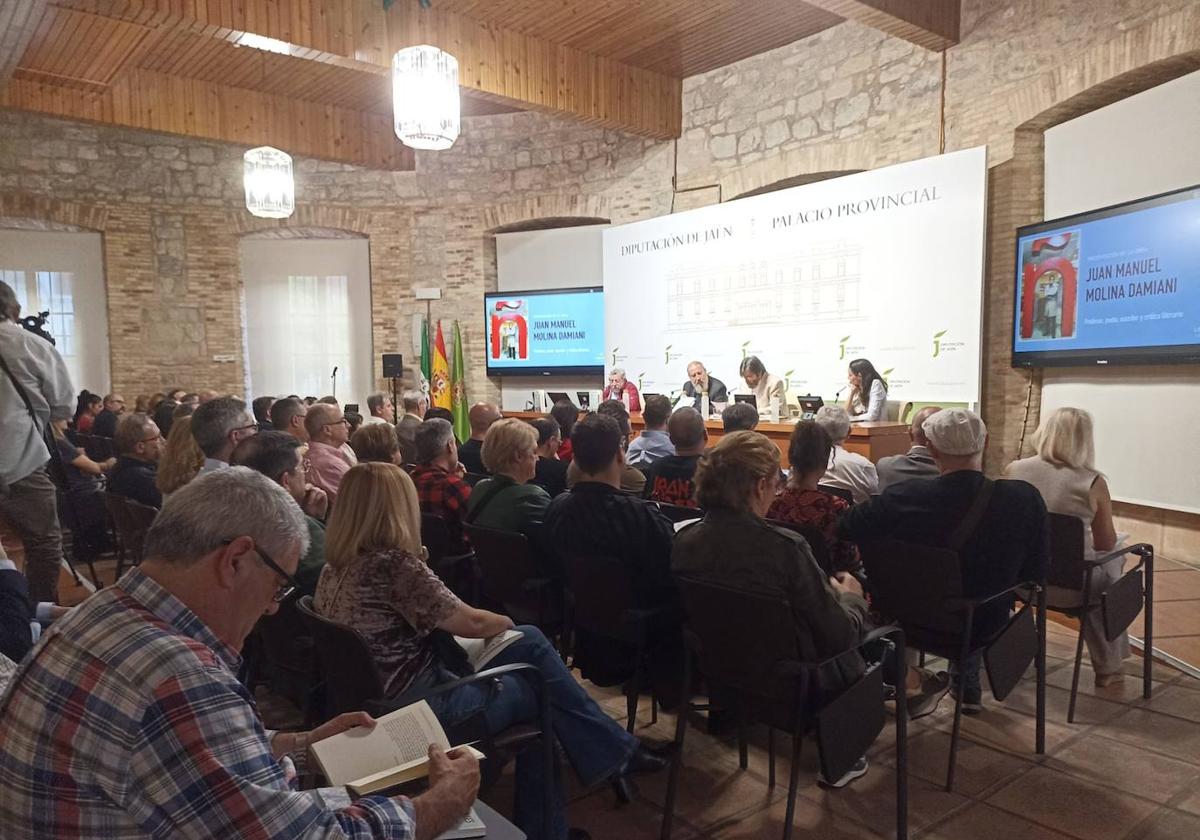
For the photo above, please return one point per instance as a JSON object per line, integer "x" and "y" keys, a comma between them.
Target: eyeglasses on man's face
{"x": 287, "y": 587}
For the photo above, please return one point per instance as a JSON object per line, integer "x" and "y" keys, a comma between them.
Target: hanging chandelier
{"x": 270, "y": 188}
{"x": 425, "y": 105}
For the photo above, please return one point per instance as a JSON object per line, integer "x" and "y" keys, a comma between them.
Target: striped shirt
{"x": 128, "y": 720}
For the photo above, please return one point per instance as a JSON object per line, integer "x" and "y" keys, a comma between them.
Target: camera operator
{"x": 27, "y": 495}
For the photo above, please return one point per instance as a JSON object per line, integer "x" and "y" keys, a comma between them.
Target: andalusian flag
{"x": 458, "y": 389}
{"x": 439, "y": 383}
{"x": 426, "y": 364}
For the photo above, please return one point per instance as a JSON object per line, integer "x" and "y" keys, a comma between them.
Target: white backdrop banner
{"x": 886, "y": 264}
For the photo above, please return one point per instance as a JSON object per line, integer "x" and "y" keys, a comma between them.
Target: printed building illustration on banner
{"x": 821, "y": 284}
{"x": 510, "y": 329}
{"x": 1050, "y": 286}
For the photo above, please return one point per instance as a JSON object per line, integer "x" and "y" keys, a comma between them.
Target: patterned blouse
{"x": 814, "y": 509}
{"x": 395, "y": 600}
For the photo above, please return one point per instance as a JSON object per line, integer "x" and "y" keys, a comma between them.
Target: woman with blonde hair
{"x": 376, "y": 442}
{"x": 1064, "y": 472}
{"x": 507, "y": 501}
{"x": 181, "y": 458}
{"x": 376, "y": 580}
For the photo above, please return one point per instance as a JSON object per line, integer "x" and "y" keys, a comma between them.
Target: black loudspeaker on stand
{"x": 393, "y": 369}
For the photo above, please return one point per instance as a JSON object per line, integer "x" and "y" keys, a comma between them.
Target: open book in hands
{"x": 396, "y": 751}
{"x": 482, "y": 651}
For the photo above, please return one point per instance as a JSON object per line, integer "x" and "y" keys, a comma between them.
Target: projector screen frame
{"x": 545, "y": 371}
{"x": 1097, "y": 357}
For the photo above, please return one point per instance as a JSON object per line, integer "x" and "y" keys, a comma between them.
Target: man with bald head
{"x": 328, "y": 430}
{"x": 105, "y": 424}
{"x": 481, "y": 416}
{"x": 917, "y": 462}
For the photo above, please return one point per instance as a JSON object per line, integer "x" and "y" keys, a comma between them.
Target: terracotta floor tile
{"x": 871, "y": 800}
{"x": 1128, "y": 690}
{"x": 1074, "y": 807}
{"x": 1168, "y": 825}
{"x": 1088, "y": 710}
{"x": 979, "y": 767}
{"x": 1172, "y": 618}
{"x": 1181, "y": 585}
{"x": 1181, "y": 699}
{"x": 1111, "y": 763}
{"x": 983, "y": 822}
{"x": 1168, "y": 735}
{"x": 1184, "y": 648}
{"x": 810, "y": 820}
{"x": 603, "y": 818}
{"x": 1190, "y": 802}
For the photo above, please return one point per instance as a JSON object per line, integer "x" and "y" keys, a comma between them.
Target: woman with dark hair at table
{"x": 868, "y": 392}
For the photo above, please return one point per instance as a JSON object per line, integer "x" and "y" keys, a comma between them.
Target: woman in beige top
{"x": 1063, "y": 472}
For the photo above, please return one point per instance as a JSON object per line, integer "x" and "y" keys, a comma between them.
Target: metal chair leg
{"x": 1040, "y": 722}
{"x": 901, "y": 741}
{"x": 677, "y": 759}
{"x": 631, "y": 705}
{"x": 1075, "y": 672}
{"x": 770, "y": 756}
{"x": 958, "y": 701}
{"x": 793, "y": 783}
{"x": 743, "y": 742}
{"x": 1148, "y": 630}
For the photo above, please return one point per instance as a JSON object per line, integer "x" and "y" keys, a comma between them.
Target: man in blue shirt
{"x": 653, "y": 443}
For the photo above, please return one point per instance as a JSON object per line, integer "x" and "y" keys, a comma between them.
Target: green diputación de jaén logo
{"x": 745, "y": 344}
{"x": 937, "y": 342}
{"x": 667, "y": 354}
{"x": 614, "y": 356}
{"x": 842, "y": 347}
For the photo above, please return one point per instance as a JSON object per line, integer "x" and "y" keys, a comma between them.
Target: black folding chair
{"x": 456, "y": 568}
{"x": 919, "y": 587}
{"x": 280, "y": 653}
{"x": 1119, "y": 604}
{"x": 97, "y": 447}
{"x": 601, "y": 601}
{"x": 352, "y": 683}
{"x": 747, "y": 646}
{"x": 513, "y": 580}
{"x": 814, "y": 538}
{"x": 679, "y": 513}
{"x": 80, "y": 546}
{"x": 474, "y": 478}
{"x": 138, "y": 519}
{"x": 840, "y": 492}
{"x": 114, "y": 506}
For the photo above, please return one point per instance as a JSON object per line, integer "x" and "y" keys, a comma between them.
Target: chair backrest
{"x": 98, "y": 448}
{"x": 1067, "y": 566}
{"x": 435, "y": 536}
{"x": 474, "y": 478}
{"x": 679, "y": 513}
{"x": 140, "y": 518}
{"x": 282, "y": 634}
{"x": 840, "y": 492}
{"x": 814, "y": 538}
{"x": 505, "y": 566}
{"x": 602, "y": 596}
{"x": 347, "y": 667}
{"x": 911, "y": 585}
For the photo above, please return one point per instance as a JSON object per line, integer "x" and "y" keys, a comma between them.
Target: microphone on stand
{"x": 333, "y": 376}
{"x": 838, "y": 395}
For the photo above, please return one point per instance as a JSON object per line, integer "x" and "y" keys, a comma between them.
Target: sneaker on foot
{"x": 925, "y": 701}
{"x": 1104, "y": 680}
{"x": 859, "y": 769}
{"x": 972, "y": 702}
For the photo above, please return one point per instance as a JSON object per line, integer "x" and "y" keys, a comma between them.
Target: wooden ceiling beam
{"x": 176, "y": 105}
{"x": 18, "y": 21}
{"x": 932, "y": 24}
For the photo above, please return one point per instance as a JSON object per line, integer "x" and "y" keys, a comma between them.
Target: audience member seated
{"x": 566, "y": 415}
{"x": 287, "y": 415}
{"x": 86, "y": 409}
{"x": 379, "y": 409}
{"x": 376, "y": 442}
{"x": 669, "y": 480}
{"x": 261, "y": 408}
{"x": 596, "y": 519}
{"x": 847, "y": 470}
{"x": 139, "y": 446}
{"x": 439, "y": 413}
{"x": 506, "y": 501}
{"x": 376, "y": 580}
{"x": 653, "y": 443}
{"x": 207, "y": 395}
{"x": 916, "y": 462}
{"x": 16, "y": 612}
{"x": 327, "y": 458}
{"x": 141, "y": 404}
{"x": 164, "y": 415}
{"x": 414, "y": 403}
{"x": 1064, "y": 473}
{"x": 551, "y": 473}
{"x": 157, "y": 397}
{"x": 802, "y": 503}
{"x": 169, "y": 742}
{"x": 438, "y": 476}
{"x": 481, "y": 417}
{"x": 181, "y": 458}
{"x": 173, "y": 394}
{"x": 280, "y": 457}
{"x": 354, "y": 422}
{"x": 632, "y": 479}
{"x": 1009, "y": 545}
{"x": 85, "y": 485}
{"x": 218, "y": 426}
{"x": 739, "y": 417}
{"x": 105, "y": 424}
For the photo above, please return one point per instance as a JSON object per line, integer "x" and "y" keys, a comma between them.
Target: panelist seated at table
{"x": 623, "y": 391}
{"x": 868, "y": 392}
{"x": 769, "y": 390}
{"x": 701, "y": 383}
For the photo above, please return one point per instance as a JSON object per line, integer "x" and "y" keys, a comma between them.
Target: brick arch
{"x": 594, "y": 208}
{"x": 80, "y": 216}
{"x": 851, "y": 156}
{"x": 306, "y": 216}
{"x": 795, "y": 181}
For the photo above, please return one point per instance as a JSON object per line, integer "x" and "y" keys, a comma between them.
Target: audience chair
{"x": 79, "y": 546}
{"x": 679, "y": 513}
{"x": 513, "y": 581}
{"x": 114, "y": 506}
{"x": 840, "y": 492}
{"x": 352, "y": 683}
{"x": 456, "y": 569}
{"x": 1119, "y": 604}
{"x": 919, "y": 587}
{"x": 744, "y": 647}
{"x": 280, "y": 654}
{"x": 97, "y": 447}
{"x": 133, "y": 520}
{"x": 814, "y": 538}
{"x": 474, "y": 478}
{"x": 601, "y": 601}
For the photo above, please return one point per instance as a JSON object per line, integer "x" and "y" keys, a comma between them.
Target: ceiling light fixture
{"x": 261, "y": 42}
{"x": 270, "y": 187}
{"x": 426, "y": 111}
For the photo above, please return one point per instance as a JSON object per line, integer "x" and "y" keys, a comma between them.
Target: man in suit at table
{"x": 917, "y": 462}
{"x": 701, "y": 383}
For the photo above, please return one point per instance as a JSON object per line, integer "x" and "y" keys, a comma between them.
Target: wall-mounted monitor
{"x": 1119, "y": 285}
{"x": 546, "y": 332}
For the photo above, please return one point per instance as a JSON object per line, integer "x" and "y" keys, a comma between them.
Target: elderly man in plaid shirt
{"x": 438, "y": 476}
{"x": 128, "y": 719}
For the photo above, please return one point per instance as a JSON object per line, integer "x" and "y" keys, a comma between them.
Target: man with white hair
{"x": 847, "y": 470}
{"x": 623, "y": 391}
{"x": 129, "y": 719}
{"x": 1010, "y": 543}
{"x": 916, "y": 462}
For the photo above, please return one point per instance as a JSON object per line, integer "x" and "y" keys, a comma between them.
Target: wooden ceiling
{"x": 177, "y": 66}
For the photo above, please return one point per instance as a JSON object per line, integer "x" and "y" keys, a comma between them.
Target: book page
{"x": 398, "y": 739}
{"x": 482, "y": 651}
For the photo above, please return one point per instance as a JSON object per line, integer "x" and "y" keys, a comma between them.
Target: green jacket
{"x": 499, "y": 502}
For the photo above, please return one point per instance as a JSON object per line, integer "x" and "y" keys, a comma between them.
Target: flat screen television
{"x": 546, "y": 332}
{"x": 1119, "y": 285}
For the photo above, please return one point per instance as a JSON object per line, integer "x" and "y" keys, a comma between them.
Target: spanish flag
{"x": 439, "y": 384}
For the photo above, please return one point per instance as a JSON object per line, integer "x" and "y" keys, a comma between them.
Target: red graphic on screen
{"x": 509, "y": 330}
{"x": 1050, "y": 286}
